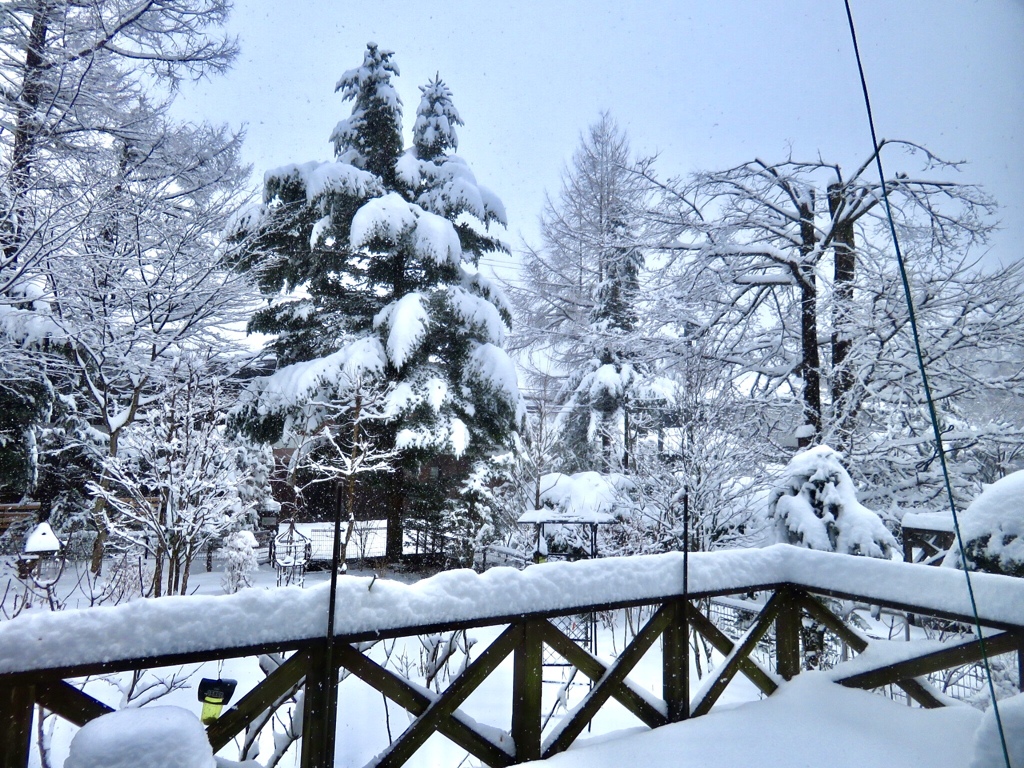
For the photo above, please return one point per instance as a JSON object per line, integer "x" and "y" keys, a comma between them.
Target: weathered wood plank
{"x": 66, "y": 701}
{"x": 277, "y": 684}
{"x": 725, "y": 673}
{"x": 319, "y": 711}
{"x": 402, "y": 693}
{"x": 956, "y": 655}
{"x": 596, "y": 670}
{"x": 724, "y": 646}
{"x": 571, "y": 728}
{"x": 915, "y": 689}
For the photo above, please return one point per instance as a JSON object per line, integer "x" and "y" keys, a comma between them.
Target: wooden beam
{"x": 724, "y": 646}
{"x": 567, "y": 731}
{"x": 675, "y": 663}
{"x": 279, "y": 683}
{"x": 16, "y": 706}
{"x": 319, "y": 710}
{"x": 442, "y": 708}
{"x": 722, "y": 676}
{"x": 787, "y": 636}
{"x": 917, "y": 690}
{"x": 956, "y": 655}
{"x": 415, "y": 701}
{"x": 593, "y": 668}
{"x": 527, "y": 691}
{"x": 68, "y": 702}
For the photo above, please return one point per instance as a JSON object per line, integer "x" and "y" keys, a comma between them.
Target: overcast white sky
{"x": 704, "y": 84}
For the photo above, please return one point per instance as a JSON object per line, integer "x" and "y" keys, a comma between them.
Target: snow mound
{"x": 988, "y": 750}
{"x": 809, "y": 721}
{"x": 153, "y": 737}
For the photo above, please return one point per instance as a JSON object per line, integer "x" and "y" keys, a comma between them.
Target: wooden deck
{"x": 313, "y": 664}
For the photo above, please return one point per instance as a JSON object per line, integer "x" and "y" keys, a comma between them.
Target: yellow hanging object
{"x": 214, "y": 694}
{"x": 211, "y": 710}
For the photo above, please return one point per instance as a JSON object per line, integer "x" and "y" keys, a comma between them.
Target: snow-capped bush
{"x": 992, "y": 528}
{"x": 239, "y": 553}
{"x": 815, "y": 506}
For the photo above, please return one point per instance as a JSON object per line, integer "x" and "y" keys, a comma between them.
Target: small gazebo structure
{"x": 587, "y": 520}
{"x": 580, "y": 628}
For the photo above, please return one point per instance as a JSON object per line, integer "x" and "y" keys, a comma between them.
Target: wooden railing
{"x": 785, "y": 604}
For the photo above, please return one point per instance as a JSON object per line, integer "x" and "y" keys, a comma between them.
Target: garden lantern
{"x": 214, "y": 694}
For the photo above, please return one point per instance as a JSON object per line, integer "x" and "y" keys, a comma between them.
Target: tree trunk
{"x": 810, "y": 363}
{"x": 158, "y": 571}
{"x": 842, "y": 304}
{"x": 395, "y": 515}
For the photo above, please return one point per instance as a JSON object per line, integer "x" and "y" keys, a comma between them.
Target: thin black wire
{"x": 924, "y": 378}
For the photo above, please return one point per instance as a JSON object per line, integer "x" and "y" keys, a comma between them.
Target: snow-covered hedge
{"x": 992, "y": 528}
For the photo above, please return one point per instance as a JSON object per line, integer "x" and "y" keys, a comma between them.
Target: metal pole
{"x": 330, "y": 677}
{"x": 686, "y": 543}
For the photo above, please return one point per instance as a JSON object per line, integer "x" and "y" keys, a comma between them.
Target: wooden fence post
{"x": 319, "y": 711}
{"x": 527, "y": 688}
{"x": 675, "y": 662}
{"x": 787, "y": 637}
{"x": 16, "y": 705}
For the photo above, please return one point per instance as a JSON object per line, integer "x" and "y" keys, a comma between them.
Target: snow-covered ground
{"x": 809, "y": 721}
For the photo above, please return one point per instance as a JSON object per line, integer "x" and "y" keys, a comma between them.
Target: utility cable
{"x": 924, "y": 378}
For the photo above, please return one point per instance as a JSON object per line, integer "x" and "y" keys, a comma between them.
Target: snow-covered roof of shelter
{"x": 548, "y": 515}
{"x": 584, "y": 497}
{"x": 161, "y": 626}
{"x": 42, "y": 539}
{"x": 928, "y": 521}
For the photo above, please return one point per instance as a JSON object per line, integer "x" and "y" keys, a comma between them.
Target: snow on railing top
{"x": 177, "y": 625}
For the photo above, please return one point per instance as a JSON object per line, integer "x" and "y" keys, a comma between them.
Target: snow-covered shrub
{"x": 815, "y": 506}
{"x": 239, "y": 553}
{"x": 144, "y": 737}
{"x": 992, "y": 528}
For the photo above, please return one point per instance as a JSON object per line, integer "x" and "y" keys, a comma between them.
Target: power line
{"x": 924, "y": 378}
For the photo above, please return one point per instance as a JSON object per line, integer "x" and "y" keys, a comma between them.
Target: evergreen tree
{"x": 368, "y": 262}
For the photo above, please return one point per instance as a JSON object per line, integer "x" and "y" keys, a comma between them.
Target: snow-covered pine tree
{"x": 367, "y": 261}
{"x": 815, "y": 506}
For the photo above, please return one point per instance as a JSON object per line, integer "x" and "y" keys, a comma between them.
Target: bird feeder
{"x": 214, "y": 694}
{"x": 42, "y": 557}
{"x": 292, "y": 553}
